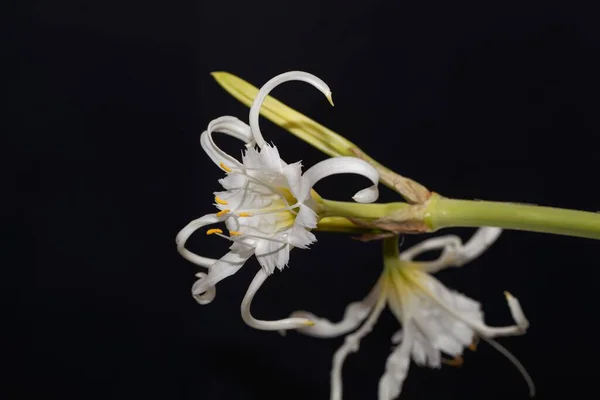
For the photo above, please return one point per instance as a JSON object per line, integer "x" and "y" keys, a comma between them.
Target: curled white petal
{"x": 187, "y": 231}
{"x": 208, "y": 295}
{"x": 342, "y": 165}
{"x": 229, "y": 264}
{"x": 354, "y": 315}
{"x": 230, "y": 126}
{"x": 478, "y": 244}
{"x": 454, "y": 252}
{"x": 450, "y": 245}
{"x": 270, "y": 85}
{"x": 282, "y": 324}
{"x": 351, "y": 344}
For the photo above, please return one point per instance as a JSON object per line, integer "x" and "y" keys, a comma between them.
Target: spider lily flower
{"x": 268, "y": 206}
{"x": 434, "y": 319}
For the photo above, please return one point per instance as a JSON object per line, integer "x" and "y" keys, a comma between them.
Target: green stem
{"x": 333, "y": 208}
{"x": 445, "y": 213}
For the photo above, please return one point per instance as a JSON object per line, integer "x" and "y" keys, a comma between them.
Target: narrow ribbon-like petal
{"x": 226, "y": 266}
{"x": 354, "y": 315}
{"x": 208, "y": 295}
{"x": 479, "y": 243}
{"x": 187, "y": 231}
{"x": 270, "y": 85}
{"x": 341, "y": 165}
{"x": 282, "y": 324}
{"x": 351, "y": 344}
{"x": 230, "y": 126}
{"x": 396, "y": 367}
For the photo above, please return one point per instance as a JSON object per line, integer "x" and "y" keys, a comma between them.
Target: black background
{"x": 107, "y": 99}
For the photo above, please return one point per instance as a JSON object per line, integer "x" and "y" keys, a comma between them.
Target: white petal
{"x": 479, "y": 243}
{"x": 208, "y": 295}
{"x": 454, "y": 253}
{"x": 351, "y": 344}
{"x": 228, "y": 265}
{"x": 230, "y": 126}
{"x": 271, "y": 255}
{"x": 187, "y": 231}
{"x": 396, "y": 368}
{"x": 467, "y": 313}
{"x": 270, "y": 85}
{"x": 282, "y": 324}
{"x": 306, "y": 217}
{"x": 452, "y": 242}
{"x": 516, "y": 311}
{"x": 270, "y": 159}
{"x": 293, "y": 175}
{"x": 300, "y": 237}
{"x": 354, "y": 315}
{"x": 342, "y": 165}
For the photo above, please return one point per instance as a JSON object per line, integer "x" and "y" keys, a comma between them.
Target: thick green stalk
{"x": 445, "y": 213}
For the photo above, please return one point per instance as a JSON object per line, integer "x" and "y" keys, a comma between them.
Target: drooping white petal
{"x": 282, "y": 324}
{"x": 226, "y": 266}
{"x": 351, "y": 344}
{"x": 397, "y": 365}
{"x": 270, "y": 85}
{"x": 341, "y": 165}
{"x": 187, "y": 231}
{"x": 230, "y": 126}
{"x": 354, "y": 315}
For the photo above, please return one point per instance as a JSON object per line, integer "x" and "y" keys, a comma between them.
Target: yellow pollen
{"x": 309, "y": 323}
{"x": 245, "y": 214}
{"x": 235, "y": 233}
{"x": 220, "y": 201}
{"x": 225, "y": 167}
{"x": 213, "y": 231}
{"x": 222, "y": 212}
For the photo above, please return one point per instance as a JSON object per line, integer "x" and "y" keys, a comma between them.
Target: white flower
{"x": 434, "y": 319}
{"x": 268, "y": 206}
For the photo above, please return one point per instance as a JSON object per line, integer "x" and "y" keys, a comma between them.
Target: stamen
{"x": 225, "y": 167}
{"x": 223, "y": 212}
{"x": 473, "y": 345}
{"x": 235, "y": 233}
{"x": 455, "y": 362}
{"x": 245, "y": 214}
{"x": 213, "y": 231}
{"x": 220, "y": 201}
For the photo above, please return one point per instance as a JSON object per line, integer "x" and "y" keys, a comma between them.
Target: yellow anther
{"x": 222, "y": 212}
{"x": 213, "y": 231}
{"x": 455, "y": 362}
{"x": 225, "y": 167}
{"x": 473, "y": 345}
{"x": 220, "y": 201}
{"x": 309, "y": 323}
{"x": 235, "y": 233}
{"x": 245, "y": 214}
